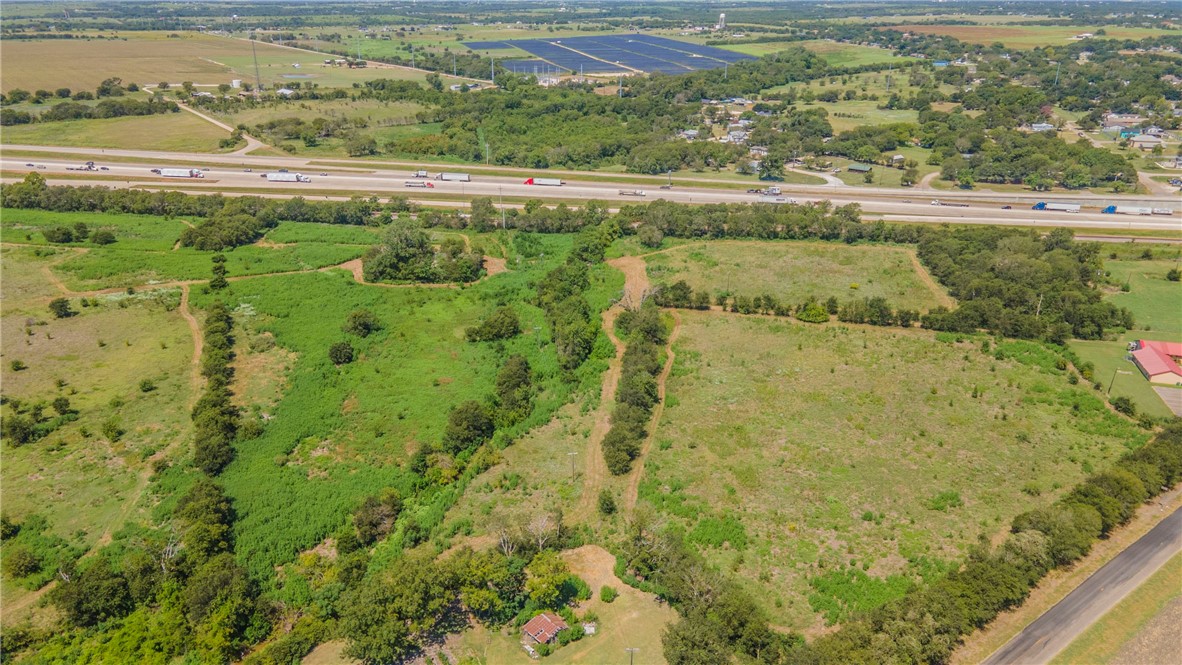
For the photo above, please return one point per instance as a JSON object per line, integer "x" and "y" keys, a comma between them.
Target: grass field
{"x": 150, "y": 57}
{"x": 793, "y": 271}
{"x": 784, "y": 448}
{"x": 850, "y": 55}
{"x": 84, "y": 482}
{"x": 1026, "y": 36}
{"x": 1157, "y": 599}
{"x": 182, "y": 132}
{"x": 1157, "y": 308}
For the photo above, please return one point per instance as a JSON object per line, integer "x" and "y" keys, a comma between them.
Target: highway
{"x": 1042, "y": 640}
{"x": 228, "y": 172}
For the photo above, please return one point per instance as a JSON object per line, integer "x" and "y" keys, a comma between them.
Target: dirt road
{"x": 633, "y": 491}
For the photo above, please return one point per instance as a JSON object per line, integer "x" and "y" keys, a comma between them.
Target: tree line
{"x": 636, "y": 392}
{"x": 108, "y": 108}
{"x": 215, "y": 418}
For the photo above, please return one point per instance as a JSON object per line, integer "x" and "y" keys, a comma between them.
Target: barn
{"x": 1158, "y": 361}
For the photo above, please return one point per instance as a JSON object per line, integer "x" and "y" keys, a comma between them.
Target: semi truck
{"x": 1126, "y": 210}
{"x": 420, "y": 174}
{"x": 88, "y": 166}
{"x": 454, "y": 177}
{"x": 776, "y": 199}
{"x": 631, "y": 192}
{"x": 1058, "y": 207}
{"x": 286, "y": 177}
{"x": 548, "y": 182}
{"x": 419, "y": 183}
{"x": 949, "y": 205}
{"x": 1163, "y": 211}
{"x": 179, "y": 173}
{"x": 766, "y": 191}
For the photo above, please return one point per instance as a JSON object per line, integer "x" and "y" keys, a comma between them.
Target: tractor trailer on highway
{"x": 286, "y": 177}
{"x": 1058, "y": 207}
{"x": 1126, "y": 210}
{"x": 454, "y": 177}
{"x": 548, "y": 182}
{"x": 179, "y": 173}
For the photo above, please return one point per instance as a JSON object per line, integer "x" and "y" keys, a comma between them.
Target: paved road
{"x": 221, "y": 176}
{"x": 1053, "y": 631}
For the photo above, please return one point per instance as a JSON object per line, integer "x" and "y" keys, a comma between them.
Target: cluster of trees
{"x": 33, "y": 554}
{"x": 875, "y": 310}
{"x": 636, "y": 393}
{"x": 108, "y": 108}
{"x": 112, "y": 87}
{"x": 320, "y": 128}
{"x": 927, "y": 624}
{"x": 406, "y": 254}
{"x": 30, "y": 422}
{"x": 80, "y": 232}
{"x": 1019, "y": 284}
{"x": 215, "y": 418}
{"x": 225, "y": 231}
{"x": 561, "y": 296}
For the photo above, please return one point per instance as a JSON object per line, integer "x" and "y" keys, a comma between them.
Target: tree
{"x": 404, "y": 254}
{"x": 694, "y": 641}
{"x": 60, "y": 308}
{"x": 20, "y": 561}
{"x": 376, "y": 516}
{"x": 386, "y": 619}
{"x": 501, "y": 324}
{"x": 362, "y": 322}
{"x": 1174, "y": 275}
{"x": 607, "y": 502}
{"x": 341, "y": 353}
{"x": 102, "y": 237}
{"x": 547, "y": 575}
{"x": 61, "y": 405}
{"x": 650, "y": 235}
{"x": 218, "y": 269}
{"x": 468, "y": 425}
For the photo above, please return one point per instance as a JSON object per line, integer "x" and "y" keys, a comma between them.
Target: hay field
{"x": 1026, "y": 36}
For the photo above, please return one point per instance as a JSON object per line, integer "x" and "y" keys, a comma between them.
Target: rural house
{"x": 544, "y": 627}
{"x": 860, "y": 168}
{"x": 1145, "y": 142}
{"x": 1158, "y": 361}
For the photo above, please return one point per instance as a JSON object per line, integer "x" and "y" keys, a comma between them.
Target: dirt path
{"x": 926, "y": 181}
{"x": 633, "y": 490}
{"x": 636, "y": 284}
{"x": 198, "y": 342}
{"x": 924, "y": 276}
{"x": 594, "y": 468}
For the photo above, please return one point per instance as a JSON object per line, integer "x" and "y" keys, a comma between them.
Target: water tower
{"x": 722, "y": 21}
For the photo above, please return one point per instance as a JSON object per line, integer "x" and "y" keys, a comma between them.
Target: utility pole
{"x": 412, "y": 56}
{"x": 572, "y": 463}
{"x": 501, "y": 194}
{"x": 890, "y": 69}
{"x": 453, "y": 63}
{"x": 631, "y": 652}
{"x": 492, "y": 70}
{"x": 1057, "y": 66}
{"x": 258, "y": 81}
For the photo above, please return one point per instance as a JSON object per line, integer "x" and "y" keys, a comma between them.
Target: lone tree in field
{"x": 468, "y": 425}
{"x": 60, "y": 308}
{"x": 219, "y": 273}
{"x": 341, "y": 353}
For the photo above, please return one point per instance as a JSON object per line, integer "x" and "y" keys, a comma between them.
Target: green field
{"x": 802, "y": 457}
{"x": 793, "y": 271}
{"x": 181, "y": 132}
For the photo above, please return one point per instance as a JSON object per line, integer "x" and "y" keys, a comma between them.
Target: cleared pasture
{"x": 829, "y": 467}
{"x": 793, "y": 271}
{"x": 1026, "y": 36}
{"x": 181, "y": 132}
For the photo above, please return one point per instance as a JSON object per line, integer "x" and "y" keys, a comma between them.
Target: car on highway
{"x": 666, "y": 186}
{"x": 248, "y": 170}
{"x": 29, "y": 164}
{"x": 1007, "y": 207}
{"x": 283, "y": 170}
{"x": 323, "y": 173}
{"x": 103, "y": 168}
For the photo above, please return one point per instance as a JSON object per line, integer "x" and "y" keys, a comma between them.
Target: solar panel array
{"x": 617, "y": 54}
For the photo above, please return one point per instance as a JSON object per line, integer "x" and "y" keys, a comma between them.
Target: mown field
{"x": 1156, "y": 304}
{"x": 1026, "y": 36}
{"x": 151, "y": 57}
{"x": 794, "y": 271}
{"x": 182, "y": 132}
{"x": 829, "y": 467}
{"x": 834, "y": 53}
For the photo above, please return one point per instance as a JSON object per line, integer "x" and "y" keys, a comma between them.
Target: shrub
{"x": 17, "y": 365}
{"x": 945, "y": 500}
{"x": 147, "y": 385}
{"x": 813, "y": 312}
{"x": 607, "y": 594}
{"x": 112, "y": 429}
{"x": 501, "y": 324}
{"x": 102, "y": 237}
{"x": 1125, "y": 405}
{"x": 341, "y": 353}
{"x": 20, "y": 561}
{"x": 607, "y": 502}
{"x": 60, "y": 308}
{"x": 362, "y": 322}
{"x": 1174, "y": 274}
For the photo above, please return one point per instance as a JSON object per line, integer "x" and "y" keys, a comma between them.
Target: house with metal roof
{"x": 1158, "y": 361}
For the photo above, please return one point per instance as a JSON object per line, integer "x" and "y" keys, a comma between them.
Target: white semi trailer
{"x": 286, "y": 177}
{"x": 181, "y": 173}
{"x": 454, "y": 177}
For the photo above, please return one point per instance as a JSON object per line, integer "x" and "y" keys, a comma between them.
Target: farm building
{"x": 1158, "y": 361}
{"x": 860, "y": 168}
{"x": 1042, "y": 127}
{"x": 544, "y": 627}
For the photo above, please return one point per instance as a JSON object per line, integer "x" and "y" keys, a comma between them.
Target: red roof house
{"x": 544, "y": 627}
{"x": 1158, "y": 361}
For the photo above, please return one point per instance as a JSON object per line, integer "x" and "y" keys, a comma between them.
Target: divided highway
{"x": 229, "y": 172}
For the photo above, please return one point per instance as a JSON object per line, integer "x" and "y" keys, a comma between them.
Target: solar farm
{"x": 614, "y": 54}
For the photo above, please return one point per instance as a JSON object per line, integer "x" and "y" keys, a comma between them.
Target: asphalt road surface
{"x": 1059, "y": 626}
{"x": 225, "y": 172}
